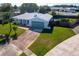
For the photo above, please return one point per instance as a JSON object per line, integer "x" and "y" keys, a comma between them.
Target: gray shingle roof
{"x": 29, "y": 16}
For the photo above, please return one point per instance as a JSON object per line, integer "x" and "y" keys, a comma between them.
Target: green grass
{"x": 4, "y": 29}
{"x": 72, "y": 20}
{"x": 47, "y": 41}
{"x": 23, "y": 54}
{"x": 1, "y": 39}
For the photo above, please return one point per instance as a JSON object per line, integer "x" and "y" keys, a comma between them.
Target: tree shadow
{"x": 48, "y": 30}
{"x": 42, "y": 30}
{"x": 5, "y": 39}
{"x": 76, "y": 24}
{"x": 3, "y": 42}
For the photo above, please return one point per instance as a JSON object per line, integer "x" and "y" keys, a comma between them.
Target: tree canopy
{"x": 44, "y": 9}
{"x": 15, "y": 7}
{"x": 28, "y": 7}
{"x": 5, "y": 7}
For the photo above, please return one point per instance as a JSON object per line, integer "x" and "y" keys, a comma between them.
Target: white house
{"x": 34, "y": 20}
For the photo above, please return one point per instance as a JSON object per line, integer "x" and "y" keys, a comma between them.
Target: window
{"x": 20, "y": 21}
{"x": 27, "y": 21}
{"x": 24, "y": 22}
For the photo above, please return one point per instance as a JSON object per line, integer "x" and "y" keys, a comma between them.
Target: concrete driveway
{"x": 25, "y": 39}
{"x": 69, "y": 47}
{"x": 20, "y": 45}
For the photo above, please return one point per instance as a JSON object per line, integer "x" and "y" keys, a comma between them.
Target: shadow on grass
{"x": 48, "y": 30}
{"x": 76, "y": 24}
{"x": 2, "y": 41}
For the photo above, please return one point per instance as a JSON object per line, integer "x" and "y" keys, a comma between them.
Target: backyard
{"x": 4, "y": 29}
{"x": 47, "y": 41}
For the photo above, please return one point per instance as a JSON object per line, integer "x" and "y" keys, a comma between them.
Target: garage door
{"x": 37, "y": 25}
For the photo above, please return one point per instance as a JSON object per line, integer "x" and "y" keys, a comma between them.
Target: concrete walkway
{"x": 69, "y": 47}
{"x": 10, "y": 50}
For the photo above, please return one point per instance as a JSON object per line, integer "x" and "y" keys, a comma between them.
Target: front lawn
{"x": 4, "y": 29}
{"x": 47, "y": 41}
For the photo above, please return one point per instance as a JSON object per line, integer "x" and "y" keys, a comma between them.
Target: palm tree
{"x": 6, "y": 9}
{"x": 6, "y": 18}
{"x": 15, "y": 28}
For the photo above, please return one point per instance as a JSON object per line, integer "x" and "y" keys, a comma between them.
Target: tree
{"x": 44, "y": 9}
{"x": 28, "y": 7}
{"x": 8, "y": 35}
{"x": 5, "y": 7}
{"x": 5, "y": 10}
{"x": 53, "y": 13}
{"x": 6, "y": 17}
{"x": 15, "y": 28}
{"x": 64, "y": 20}
{"x": 15, "y": 7}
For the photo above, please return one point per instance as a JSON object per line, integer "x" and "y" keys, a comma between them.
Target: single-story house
{"x": 34, "y": 20}
{"x": 16, "y": 12}
{"x": 64, "y": 9}
{"x": 65, "y": 16}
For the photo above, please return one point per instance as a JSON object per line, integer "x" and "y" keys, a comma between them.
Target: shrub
{"x": 23, "y": 54}
{"x": 72, "y": 20}
{"x": 2, "y": 41}
{"x": 64, "y": 20}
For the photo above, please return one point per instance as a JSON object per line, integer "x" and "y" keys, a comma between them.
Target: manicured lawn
{"x": 72, "y": 20}
{"x": 4, "y": 29}
{"x": 23, "y": 54}
{"x": 1, "y": 39}
{"x": 47, "y": 41}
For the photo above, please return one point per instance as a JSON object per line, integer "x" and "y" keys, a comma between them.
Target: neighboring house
{"x": 64, "y": 9}
{"x": 16, "y": 12}
{"x": 64, "y": 16}
{"x": 34, "y": 20}
{"x": 67, "y": 13}
{"x": 56, "y": 8}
